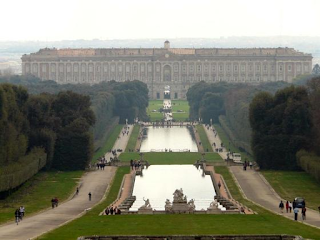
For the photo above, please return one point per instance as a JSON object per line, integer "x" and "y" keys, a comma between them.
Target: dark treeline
{"x": 65, "y": 120}
{"x": 227, "y": 104}
{"x": 287, "y": 121}
{"x": 126, "y": 100}
{"x": 51, "y": 122}
{"x": 286, "y": 128}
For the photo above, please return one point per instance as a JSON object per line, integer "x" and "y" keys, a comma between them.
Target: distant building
{"x": 178, "y": 68}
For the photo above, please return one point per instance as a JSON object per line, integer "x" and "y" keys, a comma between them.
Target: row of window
{"x": 191, "y": 68}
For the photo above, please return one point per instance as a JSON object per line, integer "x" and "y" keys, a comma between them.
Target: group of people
{"x": 135, "y": 164}
{"x": 101, "y": 163}
{"x": 54, "y": 202}
{"x": 289, "y": 206}
{"x": 19, "y": 214}
{"x": 247, "y": 164}
{"x": 112, "y": 211}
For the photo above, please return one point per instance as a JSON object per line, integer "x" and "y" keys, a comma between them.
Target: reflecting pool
{"x": 174, "y": 138}
{"x": 158, "y": 183}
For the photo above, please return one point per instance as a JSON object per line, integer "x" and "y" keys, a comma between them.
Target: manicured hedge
{"x": 17, "y": 173}
{"x": 310, "y": 163}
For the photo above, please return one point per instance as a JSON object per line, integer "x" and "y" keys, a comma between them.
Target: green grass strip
{"x": 204, "y": 139}
{"x": 180, "y": 105}
{"x": 291, "y": 184}
{"x": 133, "y": 138}
{"x": 36, "y": 194}
{"x": 109, "y": 143}
{"x": 171, "y": 157}
{"x": 229, "y": 145}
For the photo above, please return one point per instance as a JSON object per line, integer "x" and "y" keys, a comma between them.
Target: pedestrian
{"x": 17, "y": 216}
{"x": 21, "y": 210}
{"x": 281, "y": 206}
{"x": 250, "y": 164}
{"x": 219, "y": 185}
{"x": 106, "y": 211}
{"x": 287, "y": 206}
{"x": 131, "y": 164}
{"x": 290, "y": 206}
{"x": 89, "y": 194}
{"x": 52, "y": 203}
{"x": 77, "y": 192}
{"x": 111, "y": 210}
{"x": 303, "y": 212}
{"x": 296, "y": 211}
{"x": 56, "y": 202}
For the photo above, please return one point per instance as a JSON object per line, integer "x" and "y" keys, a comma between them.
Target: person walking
{"x": 287, "y": 206}
{"x": 77, "y": 191}
{"x": 303, "y": 212}
{"x": 89, "y": 194}
{"x": 281, "y": 206}
{"x": 17, "y": 216}
{"x": 21, "y": 210}
{"x": 219, "y": 185}
{"x": 290, "y": 206}
{"x": 296, "y": 211}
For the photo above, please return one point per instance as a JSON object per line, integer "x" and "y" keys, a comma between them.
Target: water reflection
{"x": 160, "y": 181}
{"x": 175, "y": 138}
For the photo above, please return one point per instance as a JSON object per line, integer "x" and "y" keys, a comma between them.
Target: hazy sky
{"x": 125, "y": 19}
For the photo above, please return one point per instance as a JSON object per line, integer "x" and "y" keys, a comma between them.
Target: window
{"x": 280, "y": 68}
{"x": 175, "y": 95}
{"x": 257, "y": 67}
{"x": 120, "y": 68}
{"x": 289, "y": 68}
{"x": 213, "y": 68}
{"x": 265, "y": 68}
{"x": 220, "y": 68}
{"x": 158, "y": 95}
{"x": 199, "y": 68}
{"x": 184, "y": 68}
{"x": 235, "y": 68}
{"x": 228, "y": 67}
{"x": 191, "y": 68}
{"x": 250, "y": 68}
{"x": 243, "y": 68}
{"x": 134, "y": 68}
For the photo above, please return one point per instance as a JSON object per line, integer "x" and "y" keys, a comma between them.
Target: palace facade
{"x": 178, "y": 68}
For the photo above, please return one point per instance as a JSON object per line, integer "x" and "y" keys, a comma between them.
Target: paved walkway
{"x": 214, "y": 138}
{"x": 257, "y": 189}
{"x": 95, "y": 182}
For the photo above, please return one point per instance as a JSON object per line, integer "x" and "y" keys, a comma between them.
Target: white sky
{"x": 133, "y": 19}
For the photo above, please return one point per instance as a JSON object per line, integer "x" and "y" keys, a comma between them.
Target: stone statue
{"x": 178, "y": 196}
{"x": 168, "y": 206}
{"x": 213, "y": 204}
{"x": 146, "y": 203}
{"x": 192, "y": 207}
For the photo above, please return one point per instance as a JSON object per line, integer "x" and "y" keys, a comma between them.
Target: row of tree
{"x": 58, "y": 123}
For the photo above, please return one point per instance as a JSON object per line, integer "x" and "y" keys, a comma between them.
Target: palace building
{"x": 178, "y": 68}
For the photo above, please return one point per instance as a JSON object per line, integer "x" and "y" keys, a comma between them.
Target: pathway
{"x": 95, "y": 182}
{"x": 257, "y": 189}
{"x": 214, "y": 138}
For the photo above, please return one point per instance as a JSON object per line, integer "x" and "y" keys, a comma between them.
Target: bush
{"x": 310, "y": 163}
{"x": 15, "y": 174}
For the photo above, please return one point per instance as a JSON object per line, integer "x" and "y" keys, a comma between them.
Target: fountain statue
{"x": 180, "y": 203}
{"x": 146, "y": 207}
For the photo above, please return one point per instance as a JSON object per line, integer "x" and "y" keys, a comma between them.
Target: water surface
{"x": 175, "y": 139}
{"x": 159, "y": 182}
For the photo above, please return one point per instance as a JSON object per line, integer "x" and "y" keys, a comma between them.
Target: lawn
{"x": 171, "y": 157}
{"x": 36, "y": 193}
{"x": 180, "y": 105}
{"x": 155, "y": 105}
{"x": 290, "y": 184}
{"x": 109, "y": 143}
{"x": 133, "y": 138}
{"x": 183, "y": 224}
{"x": 229, "y": 145}
{"x": 204, "y": 139}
